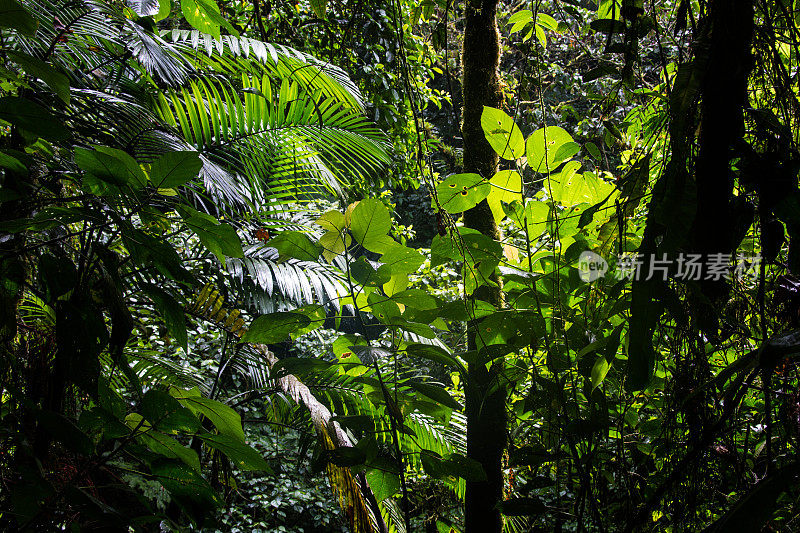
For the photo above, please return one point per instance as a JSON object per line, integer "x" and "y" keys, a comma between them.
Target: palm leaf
{"x": 288, "y": 145}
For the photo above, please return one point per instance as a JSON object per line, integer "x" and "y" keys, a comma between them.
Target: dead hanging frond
{"x": 354, "y": 496}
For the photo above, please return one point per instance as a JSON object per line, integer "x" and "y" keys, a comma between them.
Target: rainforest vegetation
{"x": 378, "y": 266}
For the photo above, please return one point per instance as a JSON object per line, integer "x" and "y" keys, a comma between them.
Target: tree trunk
{"x": 485, "y": 396}
{"x": 724, "y": 97}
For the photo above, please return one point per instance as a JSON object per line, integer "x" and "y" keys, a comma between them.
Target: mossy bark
{"x": 485, "y": 394}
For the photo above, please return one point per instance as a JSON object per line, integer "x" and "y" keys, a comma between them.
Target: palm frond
{"x": 267, "y": 285}
{"x": 233, "y": 55}
{"x": 288, "y": 144}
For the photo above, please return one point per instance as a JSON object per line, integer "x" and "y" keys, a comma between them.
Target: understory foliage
{"x": 212, "y": 319}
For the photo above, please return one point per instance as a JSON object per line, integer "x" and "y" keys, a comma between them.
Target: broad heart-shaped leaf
{"x": 383, "y": 480}
{"x": 201, "y": 15}
{"x": 34, "y": 66}
{"x": 433, "y": 353}
{"x": 416, "y": 299}
{"x": 506, "y": 187}
{"x": 297, "y": 245}
{"x": 243, "y": 456}
{"x": 166, "y": 413}
{"x": 501, "y": 132}
{"x": 112, "y": 166}
{"x": 477, "y": 247}
{"x": 171, "y": 311}
{"x": 333, "y": 244}
{"x": 175, "y": 168}
{"x": 332, "y": 221}
{"x": 186, "y": 486}
{"x": 32, "y": 118}
{"x": 460, "y": 192}
{"x": 341, "y": 346}
{"x": 220, "y": 238}
{"x": 452, "y": 465}
{"x": 226, "y": 420}
{"x": 164, "y": 7}
{"x": 569, "y": 187}
{"x": 533, "y": 217}
{"x": 161, "y": 443}
{"x": 370, "y": 222}
{"x": 400, "y": 259}
{"x": 365, "y": 274}
{"x": 275, "y": 327}
{"x": 535, "y": 148}
{"x": 14, "y": 15}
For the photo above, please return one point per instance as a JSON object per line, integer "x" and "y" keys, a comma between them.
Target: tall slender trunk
{"x": 485, "y": 396}
{"x": 724, "y": 97}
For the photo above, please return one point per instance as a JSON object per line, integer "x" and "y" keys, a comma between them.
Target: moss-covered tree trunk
{"x": 485, "y": 394}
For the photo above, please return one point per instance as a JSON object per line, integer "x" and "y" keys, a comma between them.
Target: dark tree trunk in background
{"x": 485, "y": 395}
{"x": 724, "y": 97}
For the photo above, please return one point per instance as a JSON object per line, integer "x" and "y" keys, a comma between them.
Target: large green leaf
{"x": 569, "y": 187}
{"x": 501, "y": 132}
{"x": 275, "y": 327}
{"x": 383, "y": 481}
{"x": 14, "y": 15}
{"x": 460, "y": 192}
{"x": 185, "y": 484}
{"x": 175, "y": 168}
{"x": 400, "y": 260}
{"x": 165, "y": 413}
{"x": 171, "y": 311}
{"x": 226, "y": 420}
{"x": 162, "y": 443}
{"x": 243, "y": 456}
{"x": 554, "y": 148}
{"x": 435, "y": 393}
{"x": 297, "y": 245}
{"x": 33, "y": 66}
{"x": 370, "y": 222}
{"x": 111, "y": 165}
{"x": 32, "y": 118}
{"x": 506, "y": 187}
{"x": 203, "y": 15}
{"x": 220, "y": 238}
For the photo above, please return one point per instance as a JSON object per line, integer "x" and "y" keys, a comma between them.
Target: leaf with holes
{"x": 502, "y": 133}
{"x": 506, "y": 187}
{"x": 554, "y": 148}
{"x": 460, "y": 192}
